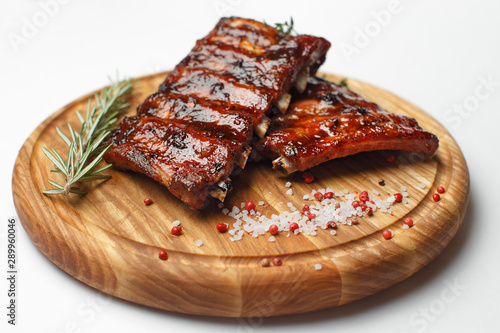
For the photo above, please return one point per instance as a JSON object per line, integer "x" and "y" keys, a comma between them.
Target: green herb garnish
{"x": 85, "y": 147}
{"x": 286, "y": 28}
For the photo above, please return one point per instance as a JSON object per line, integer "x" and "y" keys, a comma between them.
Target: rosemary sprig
{"x": 85, "y": 147}
{"x": 286, "y": 28}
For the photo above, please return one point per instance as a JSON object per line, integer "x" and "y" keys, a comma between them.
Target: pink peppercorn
{"x": 176, "y": 231}
{"x": 387, "y": 234}
{"x": 163, "y": 255}
{"x": 249, "y": 205}
{"x": 222, "y": 227}
{"x": 277, "y": 261}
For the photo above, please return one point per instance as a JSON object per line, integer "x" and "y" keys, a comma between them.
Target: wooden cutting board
{"x": 109, "y": 239}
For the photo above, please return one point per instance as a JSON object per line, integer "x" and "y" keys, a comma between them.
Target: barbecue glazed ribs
{"x": 328, "y": 121}
{"x": 190, "y": 133}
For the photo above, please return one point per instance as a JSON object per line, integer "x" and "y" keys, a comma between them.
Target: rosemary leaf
{"x": 53, "y": 192}
{"x": 286, "y": 28}
{"x": 86, "y": 146}
{"x": 93, "y": 177}
{"x": 63, "y": 136}
{"x": 56, "y": 185}
{"x": 54, "y": 160}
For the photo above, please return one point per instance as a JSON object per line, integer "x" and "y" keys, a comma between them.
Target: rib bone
{"x": 283, "y": 101}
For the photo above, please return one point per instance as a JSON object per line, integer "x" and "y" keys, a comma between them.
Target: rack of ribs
{"x": 328, "y": 121}
{"x": 190, "y": 133}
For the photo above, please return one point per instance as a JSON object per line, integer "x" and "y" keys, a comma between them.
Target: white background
{"x": 435, "y": 54}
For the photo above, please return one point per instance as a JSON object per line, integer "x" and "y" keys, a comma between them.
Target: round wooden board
{"x": 110, "y": 240}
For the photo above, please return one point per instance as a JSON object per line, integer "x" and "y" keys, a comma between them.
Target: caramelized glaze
{"x": 190, "y": 133}
{"x": 328, "y": 121}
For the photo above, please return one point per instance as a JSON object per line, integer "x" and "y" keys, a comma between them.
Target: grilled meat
{"x": 328, "y": 121}
{"x": 190, "y": 133}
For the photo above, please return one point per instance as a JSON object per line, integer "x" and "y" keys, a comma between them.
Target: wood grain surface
{"x": 109, "y": 239}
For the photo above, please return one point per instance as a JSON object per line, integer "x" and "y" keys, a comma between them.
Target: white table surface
{"x": 439, "y": 55}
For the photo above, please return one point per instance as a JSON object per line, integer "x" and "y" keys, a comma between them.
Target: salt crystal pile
{"x": 338, "y": 209}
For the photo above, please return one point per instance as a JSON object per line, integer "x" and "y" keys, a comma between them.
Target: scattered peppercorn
{"x": 305, "y": 208}
{"x": 356, "y": 203}
{"x": 163, "y": 255}
{"x": 293, "y": 226}
{"x": 436, "y": 197}
{"x": 363, "y": 196}
{"x": 311, "y": 216}
{"x": 381, "y": 182}
{"x": 387, "y": 234}
{"x": 354, "y": 220}
{"x": 369, "y": 211}
{"x": 308, "y": 177}
{"x": 273, "y": 229}
{"x": 222, "y": 227}
{"x": 249, "y": 206}
{"x": 148, "y": 201}
{"x": 440, "y": 189}
{"x": 398, "y": 197}
{"x": 318, "y": 196}
{"x": 176, "y": 231}
{"x": 409, "y": 221}
{"x": 390, "y": 158}
{"x": 277, "y": 261}
{"x": 331, "y": 224}
{"x": 328, "y": 195}
{"x": 265, "y": 262}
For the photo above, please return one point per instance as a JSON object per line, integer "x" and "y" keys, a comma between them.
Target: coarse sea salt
{"x": 288, "y": 184}
{"x": 318, "y": 267}
{"x": 199, "y": 243}
{"x": 261, "y": 203}
{"x": 289, "y": 192}
{"x": 320, "y": 214}
{"x": 176, "y": 223}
